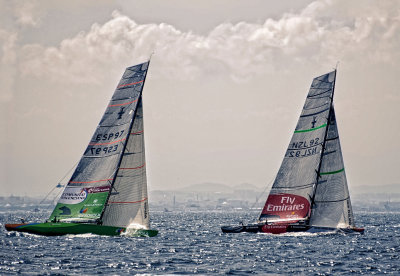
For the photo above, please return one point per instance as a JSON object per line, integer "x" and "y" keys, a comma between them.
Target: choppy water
{"x": 191, "y": 242}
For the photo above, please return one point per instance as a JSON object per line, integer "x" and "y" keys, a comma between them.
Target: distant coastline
{"x": 218, "y": 196}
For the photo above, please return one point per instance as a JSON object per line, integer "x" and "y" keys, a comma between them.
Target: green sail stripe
{"x": 338, "y": 171}
{"x": 310, "y": 129}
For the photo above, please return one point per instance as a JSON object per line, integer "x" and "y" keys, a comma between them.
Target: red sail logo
{"x": 286, "y": 206}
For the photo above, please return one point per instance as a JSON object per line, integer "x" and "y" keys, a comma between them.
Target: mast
{"x": 123, "y": 149}
{"x": 323, "y": 144}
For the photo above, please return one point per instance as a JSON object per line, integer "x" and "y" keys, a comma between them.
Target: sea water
{"x": 192, "y": 243}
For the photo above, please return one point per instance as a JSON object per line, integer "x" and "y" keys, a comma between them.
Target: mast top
{"x": 337, "y": 64}
{"x": 152, "y": 53}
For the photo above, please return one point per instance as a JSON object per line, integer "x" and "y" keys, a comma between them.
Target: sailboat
{"x": 310, "y": 192}
{"x": 107, "y": 193}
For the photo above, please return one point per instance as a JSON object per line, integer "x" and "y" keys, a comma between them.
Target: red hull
{"x": 359, "y": 230}
{"x": 275, "y": 229}
{"x": 284, "y": 228}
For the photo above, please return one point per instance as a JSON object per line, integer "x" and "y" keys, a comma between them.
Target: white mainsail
{"x": 332, "y": 206}
{"x": 128, "y": 202}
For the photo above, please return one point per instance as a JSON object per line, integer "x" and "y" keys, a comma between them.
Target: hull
{"x": 61, "y": 228}
{"x": 286, "y": 228}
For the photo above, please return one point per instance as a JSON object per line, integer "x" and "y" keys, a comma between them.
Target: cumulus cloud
{"x": 26, "y": 13}
{"x": 239, "y": 50}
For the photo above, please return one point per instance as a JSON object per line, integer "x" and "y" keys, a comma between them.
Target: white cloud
{"x": 240, "y": 50}
{"x": 27, "y": 13}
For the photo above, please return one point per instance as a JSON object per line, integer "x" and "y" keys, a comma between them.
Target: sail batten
{"x": 332, "y": 172}
{"x": 310, "y": 129}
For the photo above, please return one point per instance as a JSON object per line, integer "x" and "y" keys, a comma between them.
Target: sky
{"x": 225, "y": 87}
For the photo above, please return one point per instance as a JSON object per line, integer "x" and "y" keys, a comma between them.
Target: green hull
{"x": 62, "y": 228}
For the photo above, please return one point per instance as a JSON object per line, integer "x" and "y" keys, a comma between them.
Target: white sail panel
{"x": 332, "y": 206}
{"x": 128, "y": 203}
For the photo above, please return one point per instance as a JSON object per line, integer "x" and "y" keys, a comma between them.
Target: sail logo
{"x": 121, "y": 112}
{"x": 73, "y": 195}
{"x": 286, "y": 206}
{"x": 101, "y": 189}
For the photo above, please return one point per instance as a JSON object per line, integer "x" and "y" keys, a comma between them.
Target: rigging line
{"x": 52, "y": 201}
{"x": 54, "y": 198}
{"x": 59, "y": 182}
{"x": 262, "y": 193}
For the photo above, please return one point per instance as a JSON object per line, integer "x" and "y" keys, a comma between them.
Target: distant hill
{"x": 248, "y": 186}
{"x": 207, "y": 187}
{"x": 210, "y": 187}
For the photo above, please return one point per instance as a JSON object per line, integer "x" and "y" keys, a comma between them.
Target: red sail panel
{"x": 285, "y": 207}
